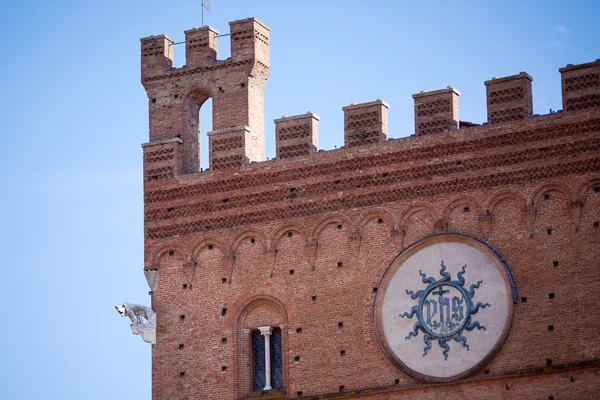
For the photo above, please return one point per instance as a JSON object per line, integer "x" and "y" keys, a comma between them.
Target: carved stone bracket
{"x": 530, "y": 215}
{"x": 485, "y": 224}
{"x": 189, "y": 271}
{"x": 152, "y": 278}
{"x": 576, "y": 210}
{"x": 440, "y": 226}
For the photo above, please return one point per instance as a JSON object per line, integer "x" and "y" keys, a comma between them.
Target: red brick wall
{"x": 530, "y": 189}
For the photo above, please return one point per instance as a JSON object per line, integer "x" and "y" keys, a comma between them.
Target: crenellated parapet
{"x": 236, "y": 87}
{"x": 581, "y": 86}
{"x": 509, "y": 98}
{"x": 297, "y": 135}
{"x": 436, "y": 111}
{"x": 365, "y": 123}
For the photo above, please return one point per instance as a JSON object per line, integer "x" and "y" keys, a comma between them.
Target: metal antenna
{"x": 205, "y": 4}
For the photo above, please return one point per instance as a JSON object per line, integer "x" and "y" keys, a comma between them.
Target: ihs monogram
{"x": 445, "y": 310}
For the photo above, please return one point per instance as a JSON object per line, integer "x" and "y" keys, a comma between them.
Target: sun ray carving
{"x": 444, "y": 310}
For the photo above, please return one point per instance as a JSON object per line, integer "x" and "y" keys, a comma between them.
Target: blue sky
{"x": 74, "y": 115}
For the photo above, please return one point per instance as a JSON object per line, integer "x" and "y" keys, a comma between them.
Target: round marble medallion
{"x": 444, "y": 307}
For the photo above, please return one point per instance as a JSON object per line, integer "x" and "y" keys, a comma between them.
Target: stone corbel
{"x": 530, "y": 216}
{"x": 152, "y": 279}
{"x": 440, "y": 226}
{"x": 485, "y": 224}
{"x": 189, "y": 271}
{"x": 576, "y": 210}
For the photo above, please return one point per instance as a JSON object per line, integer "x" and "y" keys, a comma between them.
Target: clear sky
{"x": 74, "y": 115}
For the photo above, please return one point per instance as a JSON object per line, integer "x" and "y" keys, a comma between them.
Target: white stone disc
{"x": 461, "y": 311}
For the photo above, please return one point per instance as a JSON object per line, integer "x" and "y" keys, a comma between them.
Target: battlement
{"x": 236, "y": 86}
{"x": 249, "y": 43}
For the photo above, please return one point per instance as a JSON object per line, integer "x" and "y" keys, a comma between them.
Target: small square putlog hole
{"x": 550, "y": 328}
{"x": 298, "y": 330}
{"x": 551, "y": 296}
{"x": 314, "y": 298}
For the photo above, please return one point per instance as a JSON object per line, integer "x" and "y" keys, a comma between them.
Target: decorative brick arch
{"x": 278, "y": 234}
{"x": 331, "y": 219}
{"x": 206, "y": 242}
{"x": 248, "y": 234}
{"x": 506, "y": 194}
{"x": 164, "y": 248}
{"x": 414, "y": 208}
{"x": 546, "y": 187}
{"x": 468, "y": 200}
{"x": 379, "y": 212}
{"x": 584, "y": 187}
{"x": 198, "y": 94}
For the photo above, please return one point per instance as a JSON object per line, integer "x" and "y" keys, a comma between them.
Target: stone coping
{"x": 238, "y": 21}
{"x": 309, "y": 114}
{"x": 571, "y": 67}
{"x": 163, "y": 36}
{"x": 228, "y": 130}
{"x": 449, "y": 89}
{"x": 363, "y": 105}
{"x": 520, "y": 75}
{"x": 204, "y": 28}
{"x": 162, "y": 141}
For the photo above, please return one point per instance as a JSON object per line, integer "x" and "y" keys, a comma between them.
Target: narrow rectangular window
{"x": 276, "y": 358}
{"x": 258, "y": 354}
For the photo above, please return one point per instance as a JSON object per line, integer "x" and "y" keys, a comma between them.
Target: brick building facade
{"x": 300, "y": 246}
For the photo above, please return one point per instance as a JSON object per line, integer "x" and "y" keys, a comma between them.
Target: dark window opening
{"x": 258, "y": 353}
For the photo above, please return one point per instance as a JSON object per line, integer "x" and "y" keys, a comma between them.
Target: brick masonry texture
{"x": 529, "y": 186}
